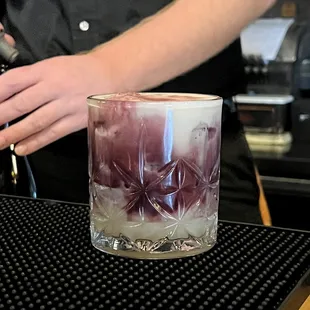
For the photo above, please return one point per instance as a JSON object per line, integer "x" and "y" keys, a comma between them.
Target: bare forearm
{"x": 174, "y": 41}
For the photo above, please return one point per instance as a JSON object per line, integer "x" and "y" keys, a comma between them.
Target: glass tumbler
{"x": 154, "y": 167}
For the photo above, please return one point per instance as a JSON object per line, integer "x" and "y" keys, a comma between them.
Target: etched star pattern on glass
{"x": 154, "y": 174}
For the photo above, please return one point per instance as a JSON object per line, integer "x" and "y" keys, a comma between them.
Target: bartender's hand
{"x": 8, "y": 37}
{"x": 54, "y": 92}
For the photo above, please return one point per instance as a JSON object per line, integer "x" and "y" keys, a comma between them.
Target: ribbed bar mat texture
{"x": 48, "y": 262}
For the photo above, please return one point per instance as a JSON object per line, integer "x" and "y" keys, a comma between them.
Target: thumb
{"x": 7, "y": 37}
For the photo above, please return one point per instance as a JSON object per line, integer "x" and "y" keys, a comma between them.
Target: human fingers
{"x": 7, "y": 37}
{"x": 37, "y": 121}
{"x": 25, "y": 102}
{"x": 16, "y": 80}
{"x": 54, "y": 132}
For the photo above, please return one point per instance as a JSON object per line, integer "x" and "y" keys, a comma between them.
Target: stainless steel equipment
{"x": 277, "y": 64}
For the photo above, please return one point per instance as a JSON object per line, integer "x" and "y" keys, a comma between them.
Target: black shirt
{"x": 48, "y": 28}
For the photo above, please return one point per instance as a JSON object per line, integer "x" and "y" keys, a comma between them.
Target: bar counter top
{"x": 47, "y": 262}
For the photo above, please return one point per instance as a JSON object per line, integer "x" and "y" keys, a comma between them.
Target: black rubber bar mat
{"x": 48, "y": 262}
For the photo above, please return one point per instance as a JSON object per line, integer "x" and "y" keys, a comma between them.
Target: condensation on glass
{"x": 154, "y": 166}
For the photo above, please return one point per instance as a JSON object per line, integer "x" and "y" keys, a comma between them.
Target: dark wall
{"x": 282, "y": 7}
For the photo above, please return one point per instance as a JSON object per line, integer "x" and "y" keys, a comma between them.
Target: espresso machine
{"x": 276, "y": 108}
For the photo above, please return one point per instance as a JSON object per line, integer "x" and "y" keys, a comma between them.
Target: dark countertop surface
{"x": 47, "y": 262}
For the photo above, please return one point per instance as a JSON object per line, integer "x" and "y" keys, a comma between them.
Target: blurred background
{"x": 276, "y": 109}
{"x": 299, "y": 9}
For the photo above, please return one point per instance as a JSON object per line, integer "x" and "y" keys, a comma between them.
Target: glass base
{"x": 147, "y": 249}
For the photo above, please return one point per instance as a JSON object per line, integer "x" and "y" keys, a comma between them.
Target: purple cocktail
{"x": 154, "y": 165}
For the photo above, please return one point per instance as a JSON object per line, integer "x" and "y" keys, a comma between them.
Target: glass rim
{"x": 200, "y": 99}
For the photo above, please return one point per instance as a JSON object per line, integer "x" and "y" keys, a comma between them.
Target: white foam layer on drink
{"x": 156, "y": 97}
{"x": 182, "y": 112}
{"x": 185, "y": 113}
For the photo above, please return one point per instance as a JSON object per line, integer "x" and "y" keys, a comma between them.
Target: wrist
{"x": 101, "y": 66}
